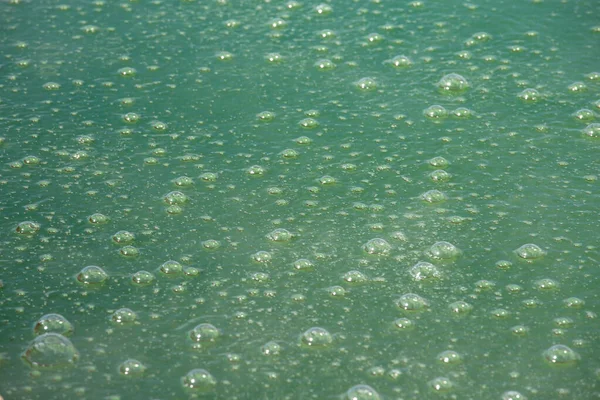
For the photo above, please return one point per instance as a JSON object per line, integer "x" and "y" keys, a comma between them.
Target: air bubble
{"x": 435, "y": 112}
{"x": 453, "y": 83}
{"x": 327, "y": 180}
{"x": 584, "y": 115}
{"x": 439, "y": 175}
{"x": 324, "y": 65}
{"x": 92, "y": 275}
{"x": 460, "y": 307}
{"x": 400, "y": 62}
{"x": 573, "y": 302}
{"x": 366, "y": 84}
{"x": 323, "y": 9}
{"x": 412, "y": 302}
{"x": 256, "y": 170}
{"x": 404, "y": 324}
{"x": 289, "y": 153}
{"x": 183, "y": 181}
{"x": 204, "y": 333}
{"x": 443, "y": 251}
{"x": 211, "y": 244}
{"x": 530, "y": 251}
{"x": 316, "y": 337}
{"x": 262, "y": 257}
{"x": 355, "y": 277}
{"x": 303, "y": 264}
{"x": 439, "y": 162}
{"x": 53, "y": 323}
{"x": 124, "y": 316}
{"x": 546, "y": 284}
{"x": 462, "y": 113}
{"x": 424, "y": 271}
{"x": 50, "y": 350}
{"x": 132, "y": 368}
{"x": 98, "y": 218}
{"x": 362, "y": 392}
{"x": 199, "y": 380}
{"x": 377, "y": 246}
{"x": 592, "y": 130}
{"x": 27, "y": 228}
{"x": 280, "y": 235}
{"x": 441, "y": 384}
{"x": 171, "y": 268}
{"x": 142, "y": 278}
{"x": 433, "y": 196}
{"x": 123, "y": 237}
{"x": 560, "y": 355}
{"x": 519, "y": 330}
{"x": 175, "y": 198}
{"x": 336, "y": 291}
{"x": 127, "y": 72}
{"x": 449, "y": 357}
{"x": 503, "y": 264}
{"x": 529, "y": 95}
{"x": 271, "y": 349}
{"x": 577, "y": 87}
{"x": 309, "y": 123}
{"x": 224, "y": 56}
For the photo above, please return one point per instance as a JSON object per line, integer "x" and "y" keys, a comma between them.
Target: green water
{"x": 108, "y": 107}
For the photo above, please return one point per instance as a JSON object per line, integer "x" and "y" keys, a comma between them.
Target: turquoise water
{"x": 205, "y": 133}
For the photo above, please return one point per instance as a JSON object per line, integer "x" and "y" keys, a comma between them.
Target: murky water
{"x": 295, "y": 200}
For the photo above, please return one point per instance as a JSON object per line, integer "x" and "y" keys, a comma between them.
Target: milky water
{"x": 293, "y": 200}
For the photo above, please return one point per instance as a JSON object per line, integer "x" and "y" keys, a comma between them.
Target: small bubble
{"x": 449, "y": 357}
{"x": 53, "y": 323}
{"x": 303, "y": 140}
{"x": 441, "y": 384}
{"x": 519, "y": 330}
{"x": 327, "y": 180}
{"x": 50, "y": 350}
{"x": 262, "y": 257}
{"x": 199, "y": 380}
{"x": 323, "y": 9}
{"x": 512, "y": 395}
{"x": 316, "y": 337}
{"x": 433, "y": 196}
{"x": 274, "y": 58}
{"x": 142, "y": 278}
{"x": 309, "y": 123}
{"x": 484, "y": 285}
{"x": 127, "y": 72}
{"x": 412, "y": 302}
{"x": 171, "y": 268}
{"x": 584, "y": 115}
{"x": 439, "y": 175}
{"x": 224, "y": 56}
{"x": 453, "y": 83}
{"x": 592, "y": 130}
{"x": 289, "y": 153}
{"x": 435, "y": 112}
{"x": 529, "y": 303}
{"x": 50, "y": 86}
{"x": 303, "y": 264}
{"x": 564, "y": 322}
{"x": 265, "y": 116}
{"x": 400, "y": 62}
{"x": 529, "y": 95}
{"x": 124, "y": 316}
{"x": 211, "y": 244}
{"x": 546, "y": 284}
{"x": 123, "y": 237}
{"x": 439, "y": 162}
{"x": 132, "y": 368}
{"x": 560, "y": 355}
{"x": 577, "y": 87}
{"x": 92, "y": 275}
{"x": 324, "y": 65}
{"x": 424, "y": 271}
{"x": 355, "y": 277}
{"x": 131, "y": 118}
{"x": 404, "y": 324}
{"x": 366, "y": 84}
{"x": 377, "y": 246}
{"x": 280, "y": 235}
{"x": 503, "y": 264}
{"x": 208, "y": 177}
{"x": 27, "y": 228}
{"x": 462, "y": 113}
{"x": 175, "y": 198}
{"x": 90, "y": 29}
{"x": 256, "y": 170}
{"x": 362, "y": 392}
{"x": 260, "y": 277}
{"x": 336, "y": 291}
{"x": 530, "y": 251}
{"x": 271, "y": 349}
{"x": 205, "y": 333}
{"x": 460, "y": 308}
{"x": 443, "y": 251}
{"x": 573, "y": 302}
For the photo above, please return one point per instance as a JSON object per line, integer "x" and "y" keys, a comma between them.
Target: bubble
{"x": 529, "y": 95}
{"x": 400, "y": 62}
{"x": 453, "y": 83}
{"x": 224, "y": 56}
{"x": 439, "y": 175}
{"x": 336, "y": 291}
{"x": 327, "y": 180}
{"x": 183, "y": 181}
{"x": 373, "y": 38}
{"x": 204, "y": 333}
{"x": 175, "y": 198}
{"x": 530, "y": 251}
{"x": 280, "y": 235}
{"x": 211, "y": 244}
{"x": 529, "y": 303}
{"x": 309, "y": 123}
{"x": 519, "y": 330}
{"x": 560, "y": 355}
{"x": 503, "y": 264}
{"x": 174, "y": 209}
{"x": 132, "y": 368}
{"x": 50, "y": 350}
{"x": 127, "y": 72}
{"x": 484, "y": 285}
{"x": 546, "y": 284}
{"x": 303, "y": 264}
{"x": 271, "y": 349}
{"x": 131, "y": 118}
{"x": 433, "y": 196}
{"x": 31, "y": 160}
{"x": 123, "y": 237}
{"x": 262, "y": 257}
{"x": 303, "y": 140}
{"x": 124, "y": 316}
{"x": 424, "y": 271}
{"x": 199, "y": 380}
{"x": 324, "y": 65}
{"x": 323, "y": 9}
{"x": 355, "y": 277}
{"x": 592, "y": 130}
{"x": 259, "y": 277}
{"x": 92, "y": 275}
{"x": 462, "y": 112}
{"x": 53, "y": 323}
{"x": 412, "y": 302}
{"x": 274, "y": 58}
{"x": 404, "y": 324}
{"x": 51, "y": 86}
{"x": 479, "y": 37}
{"x": 441, "y": 384}
{"x": 449, "y": 357}
{"x": 439, "y": 162}
{"x": 362, "y": 392}
{"x": 377, "y": 246}
{"x": 435, "y": 112}
{"x": 584, "y": 115}
{"x": 573, "y": 302}
{"x": 443, "y": 251}
{"x": 256, "y": 170}
{"x": 577, "y": 87}
{"x": 366, "y": 84}
{"x": 564, "y": 322}
{"x": 142, "y": 278}
{"x": 316, "y": 337}
{"x": 512, "y": 395}
{"x": 460, "y": 307}
{"x": 171, "y": 268}
{"x": 27, "y": 228}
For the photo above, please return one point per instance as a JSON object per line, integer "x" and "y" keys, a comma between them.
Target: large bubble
{"x": 50, "y": 350}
